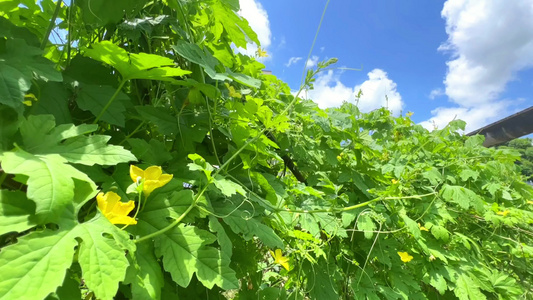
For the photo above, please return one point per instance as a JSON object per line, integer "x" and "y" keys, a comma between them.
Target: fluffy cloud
{"x": 476, "y": 117}
{"x": 257, "y": 17}
{"x": 292, "y": 61}
{"x": 377, "y": 91}
{"x": 489, "y": 41}
{"x": 312, "y": 62}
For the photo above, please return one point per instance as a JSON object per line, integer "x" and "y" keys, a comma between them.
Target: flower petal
{"x": 152, "y": 173}
{"x": 136, "y": 172}
{"x": 165, "y": 178}
{"x": 149, "y": 186}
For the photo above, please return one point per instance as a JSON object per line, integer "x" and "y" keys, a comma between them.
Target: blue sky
{"x": 439, "y": 59}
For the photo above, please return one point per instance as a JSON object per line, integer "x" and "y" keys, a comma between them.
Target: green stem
{"x": 110, "y": 101}
{"x": 132, "y": 133}
{"x": 51, "y": 25}
{"x": 314, "y": 41}
{"x": 136, "y": 212}
{"x": 2, "y": 178}
{"x": 336, "y": 210}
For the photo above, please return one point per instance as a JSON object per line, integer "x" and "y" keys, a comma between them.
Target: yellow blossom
{"x": 405, "y": 257}
{"x": 232, "y": 92}
{"x": 261, "y": 53}
{"x": 529, "y": 202}
{"x": 280, "y": 259}
{"x": 409, "y": 113}
{"x": 503, "y": 213}
{"x": 422, "y": 227}
{"x": 153, "y": 178}
{"x": 115, "y": 210}
{"x": 394, "y": 181}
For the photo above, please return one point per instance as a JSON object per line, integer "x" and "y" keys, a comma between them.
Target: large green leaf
{"x": 204, "y": 58}
{"x": 36, "y": 265}
{"x": 467, "y": 289}
{"x": 149, "y": 278}
{"x": 101, "y": 13}
{"x": 17, "y": 65}
{"x": 185, "y": 253}
{"x": 135, "y": 66}
{"x": 50, "y": 180}
{"x": 464, "y": 197}
{"x": 15, "y": 212}
{"x": 238, "y": 29}
{"x": 95, "y": 97}
{"x": 41, "y": 136}
{"x": 240, "y": 222}
{"x": 101, "y": 256}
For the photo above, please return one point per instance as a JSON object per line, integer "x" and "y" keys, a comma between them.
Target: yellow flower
{"x": 115, "y": 210}
{"x": 422, "y": 227}
{"x": 529, "y": 202}
{"x": 394, "y": 181}
{"x": 409, "y": 113}
{"x": 153, "y": 178}
{"x": 232, "y": 92}
{"x": 261, "y": 53}
{"x": 280, "y": 259}
{"x": 503, "y": 213}
{"x": 405, "y": 257}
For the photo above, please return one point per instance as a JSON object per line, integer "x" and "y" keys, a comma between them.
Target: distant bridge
{"x": 507, "y": 129}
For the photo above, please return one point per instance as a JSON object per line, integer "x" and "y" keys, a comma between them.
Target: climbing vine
{"x": 143, "y": 157}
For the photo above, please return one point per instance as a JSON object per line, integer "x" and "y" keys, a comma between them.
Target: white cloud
{"x": 257, "y": 17}
{"x": 489, "y": 41}
{"x": 292, "y": 61}
{"x": 436, "y": 93}
{"x": 311, "y": 62}
{"x": 476, "y": 117}
{"x": 377, "y": 91}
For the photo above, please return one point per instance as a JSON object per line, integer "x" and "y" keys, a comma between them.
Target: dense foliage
{"x": 525, "y": 148}
{"x": 142, "y": 158}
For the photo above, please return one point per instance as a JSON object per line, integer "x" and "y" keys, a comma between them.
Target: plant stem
{"x": 51, "y": 25}
{"x": 348, "y": 208}
{"x": 110, "y": 101}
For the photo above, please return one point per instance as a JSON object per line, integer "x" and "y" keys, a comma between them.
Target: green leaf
{"x": 15, "y": 212}
{"x": 53, "y": 100}
{"x": 50, "y": 180}
{"x": 440, "y": 233}
{"x": 135, "y": 66}
{"x": 101, "y": 13}
{"x": 366, "y": 224}
{"x": 36, "y": 265}
{"x": 91, "y": 150}
{"x": 467, "y": 289}
{"x": 437, "y": 280}
{"x": 223, "y": 239}
{"x": 411, "y": 225}
{"x": 185, "y": 253}
{"x": 154, "y": 153}
{"x": 42, "y": 137}
{"x": 228, "y": 187}
{"x": 204, "y": 58}
{"x": 464, "y": 197}
{"x": 240, "y": 222}
{"x": 149, "y": 279}
{"x": 166, "y": 123}
{"x": 237, "y": 29}
{"x": 322, "y": 284}
{"x": 95, "y": 97}
{"x": 101, "y": 255}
